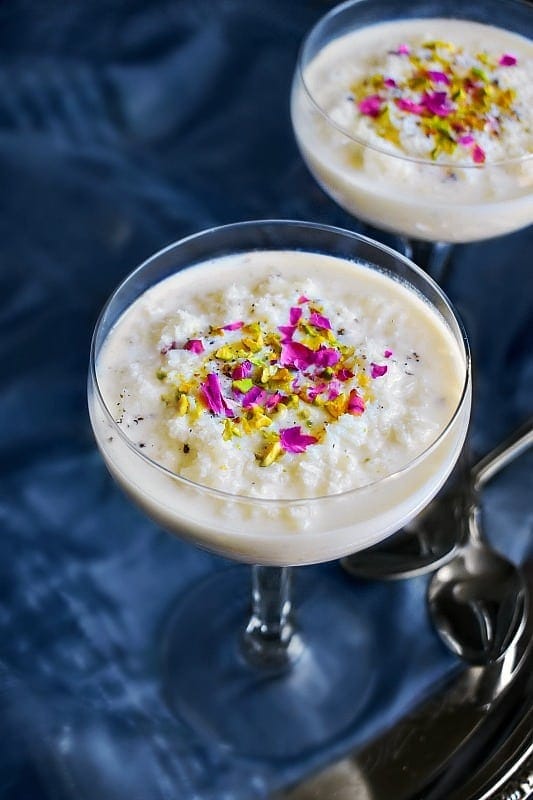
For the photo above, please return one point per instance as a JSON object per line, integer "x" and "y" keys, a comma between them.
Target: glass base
{"x": 279, "y": 716}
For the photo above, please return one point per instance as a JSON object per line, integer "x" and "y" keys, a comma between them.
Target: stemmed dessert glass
{"x": 429, "y": 204}
{"x": 238, "y": 667}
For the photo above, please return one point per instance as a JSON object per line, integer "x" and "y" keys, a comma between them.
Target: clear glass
{"x": 421, "y": 200}
{"x": 202, "y": 645}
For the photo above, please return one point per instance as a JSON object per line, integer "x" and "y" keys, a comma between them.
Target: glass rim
{"x": 321, "y": 22}
{"x": 269, "y": 501}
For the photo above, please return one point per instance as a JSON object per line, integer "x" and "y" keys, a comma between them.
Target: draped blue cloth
{"x": 123, "y": 127}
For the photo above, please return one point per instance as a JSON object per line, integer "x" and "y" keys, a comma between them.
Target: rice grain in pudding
{"x": 279, "y": 376}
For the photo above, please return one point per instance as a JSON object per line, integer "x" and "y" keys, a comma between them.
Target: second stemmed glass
{"x": 277, "y": 690}
{"x": 430, "y": 204}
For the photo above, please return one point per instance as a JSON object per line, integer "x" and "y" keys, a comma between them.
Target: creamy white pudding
{"x": 288, "y": 398}
{"x": 421, "y": 126}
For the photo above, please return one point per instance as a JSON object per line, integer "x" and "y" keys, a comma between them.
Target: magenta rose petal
{"x": 378, "y": 370}
{"x": 194, "y": 345}
{"x": 294, "y": 441}
{"x": 295, "y": 314}
{"x": 319, "y": 321}
{"x": 356, "y": 405}
{"x": 370, "y": 106}
{"x": 233, "y": 326}
{"x": 508, "y": 60}
{"x": 296, "y": 355}
{"x": 212, "y": 395}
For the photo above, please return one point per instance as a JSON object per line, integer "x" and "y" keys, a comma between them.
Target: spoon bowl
{"x": 478, "y": 601}
{"x": 478, "y": 604}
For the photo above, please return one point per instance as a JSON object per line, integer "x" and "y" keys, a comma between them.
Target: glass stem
{"x": 433, "y": 257}
{"x": 270, "y": 641}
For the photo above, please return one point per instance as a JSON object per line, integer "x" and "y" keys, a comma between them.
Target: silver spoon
{"x": 478, "y": 601}
{"x": 431, "y": 539}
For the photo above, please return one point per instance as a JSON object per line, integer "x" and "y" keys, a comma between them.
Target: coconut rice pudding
{"x": 421, "y": 126}
{"x": 271, "y": 377}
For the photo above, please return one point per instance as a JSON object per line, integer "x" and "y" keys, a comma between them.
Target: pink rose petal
{"x": 233, "y": 326}
{"x": 241, "y": 371}
{"x": 319, "y": 321}
{"x": 356, "y": 405}
{"x": 334, "y": 390}
{"x": 370, "y": 106}
{"x": 403, "y": 50}
{"x": 466, "y": 140}
{"x": 314, "y": 391}
{"x": 344, "y": 374}
{"x": 194, "y": 345}
{"x": 437, "y": 103}
{"x": 210, "y": 390}
{"x": 390, "y": 82}
{"x": 478, "y": 154}
{"x": 296, "y": 355}
{"x": 302, "y": 299}
{"x": 438, "y": 77}
{"x": 410, "y": 106}
{"x": 295, "y": 314}
{"x": 378, "y": 370}
{"x": 326, "y": 357}
{"x": 287, "y": 332}
{"x": 294, "y": 441}
{"x": 274, "y": 400}
{"x": 387, "y": 353}
{"x": 254, "y": 397}
{"x": 507, "y": 60}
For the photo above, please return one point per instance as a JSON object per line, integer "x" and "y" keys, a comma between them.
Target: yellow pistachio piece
{"x": 225, "y": 353}
{"x": 271, "y": 453}
{"x": 337, "y": 407}
{"x": 183, "y": 405}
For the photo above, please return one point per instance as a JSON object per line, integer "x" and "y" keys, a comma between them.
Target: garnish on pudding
{"x": 459, "y": 100}
{"x": 287, "y": 383}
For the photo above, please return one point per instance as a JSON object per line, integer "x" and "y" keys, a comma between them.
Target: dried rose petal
{"x": 356, "y": 405}
{"x": 403, "y": 50}
{"x": 466, "y": 140}
{"x": 344, "y": 374}
{"x": 254, "y": 397}
{"x": 319, "y": 321}
{"x": 437, "y": 103}
{"x": 390, "y": 82}
{"x": 371, "y": 105}
{"x": 274, "y": 400}
{"x": 287, "y": 331}
{"x": 334, "y": 390}
{"x": 294, "y": 315}
{"x": 478, "y": 155}
{"x": 314, "y": 391}
{"x": 378, "y": 370}
{"x": 302, "y": 299}
{"x": 294, "y": 441}
{"x": 409, "y": 105}
{"x": 210, "y": 390}
{"x": 194, "y": 345}
{"x": 438, "y": 77}
{"x": 507, "y": 60}
{"x": 233, "y": 326}
{"x": 243, "y": 370}
{"x": 326, "y": 357}
{"x": 296, "y": 355}
{"x": 387, "y": 353}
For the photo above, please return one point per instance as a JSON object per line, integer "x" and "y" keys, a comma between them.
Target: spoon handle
{"x": 503, "y": 454}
